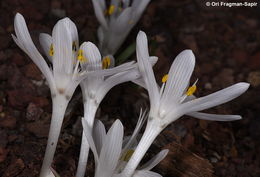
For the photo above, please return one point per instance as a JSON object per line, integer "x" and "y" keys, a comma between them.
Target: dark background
{"x": 227, "y": 49}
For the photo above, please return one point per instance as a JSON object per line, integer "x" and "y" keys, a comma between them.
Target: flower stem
{"x": 90, "y": 109}
{"x": 151, "y": 132}
{"x": 59, "y": 105}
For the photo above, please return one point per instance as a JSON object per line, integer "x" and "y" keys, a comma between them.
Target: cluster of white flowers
{"x": 74, "y": 64}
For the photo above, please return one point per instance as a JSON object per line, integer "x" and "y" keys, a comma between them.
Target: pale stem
{"x": 59, "y": 105}
{"x": 151, "y": 132}
{"x": 90, "y": 108}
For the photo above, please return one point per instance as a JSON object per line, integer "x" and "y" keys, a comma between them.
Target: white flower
{"x": 95, "y": 87}
{"x": 111, "y": 152}
{"x": 116, "y": 21}
{"x": 172, "y": 100}
{"x": 61, "y": 48}
{"x": 63, "y": 78}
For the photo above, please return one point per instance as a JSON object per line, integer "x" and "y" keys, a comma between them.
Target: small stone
{"x": 33, "y": 112}
{"x": 213, "y": 160}
{"x": 208, "y": 86}
{"x": 254, "y": 78}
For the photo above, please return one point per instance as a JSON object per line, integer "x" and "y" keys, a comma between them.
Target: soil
{"x": 226, "y": 44}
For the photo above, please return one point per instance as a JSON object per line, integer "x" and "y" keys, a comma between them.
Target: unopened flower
{"x": 116, "y": 21}
{"x": 112, "y": 151}
{"x": 172, "y": 100}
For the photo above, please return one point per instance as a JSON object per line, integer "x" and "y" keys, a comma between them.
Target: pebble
{"x": 208, "y": 86}
{"x": 254, "y": 78}
{"x": 33, "y": 112}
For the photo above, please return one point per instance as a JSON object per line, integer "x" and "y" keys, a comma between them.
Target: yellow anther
{"x": 74, "y": 46}
{"x": 128, "y": 155}
{"x": 81, "y": 57}
{"x": 165, "y": 78}
{"x": 111, "y": 10}
{"x": 51, "y": 52}
{"x": 106, "y": 62}
{"x": 191, "y": 90}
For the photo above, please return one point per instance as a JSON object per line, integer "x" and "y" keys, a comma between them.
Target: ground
{"x": 225, "y": 41}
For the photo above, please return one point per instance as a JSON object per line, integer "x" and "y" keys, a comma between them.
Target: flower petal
{"x": 100, "y": 13}
{"x": 99, "y": 134}
{"x": 213, "y": 99}
{"x": 111, "y": 150}
{"x": 142, "y": 118}
{"x": 126, "y": 3}
{"x": 139, "y": 7}
{"x": 178, "y": 79}
{"x": 122, "y": 22}
{"x": 146, "y": 173}
{"x": 146, "y": 70}
{"x": 88, "y": 134}
{"x": 46, "y": 41}
{"x": 92, "y": 55}
{"x": 214, "y": 117}
{"x": 24, "y": 41}
{"x": 155, "y": 160}
{"x": 140, "y": 81}
{"x": 62, "y": 43}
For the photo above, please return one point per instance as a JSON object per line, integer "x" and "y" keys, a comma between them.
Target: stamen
{"x": 51, "y": 52}
{"x": 81, "y": 57}
{"x": 192, "y": 89}
{"x": 128, "y": 155}
{"x": 74, "y": 46}
{"x": 110, "y": 10}
{"x": 106, "y": 62}
{"x": 164, "y": 78}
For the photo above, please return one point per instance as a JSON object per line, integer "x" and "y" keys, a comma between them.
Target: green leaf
{"x": 126, "y": 54}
